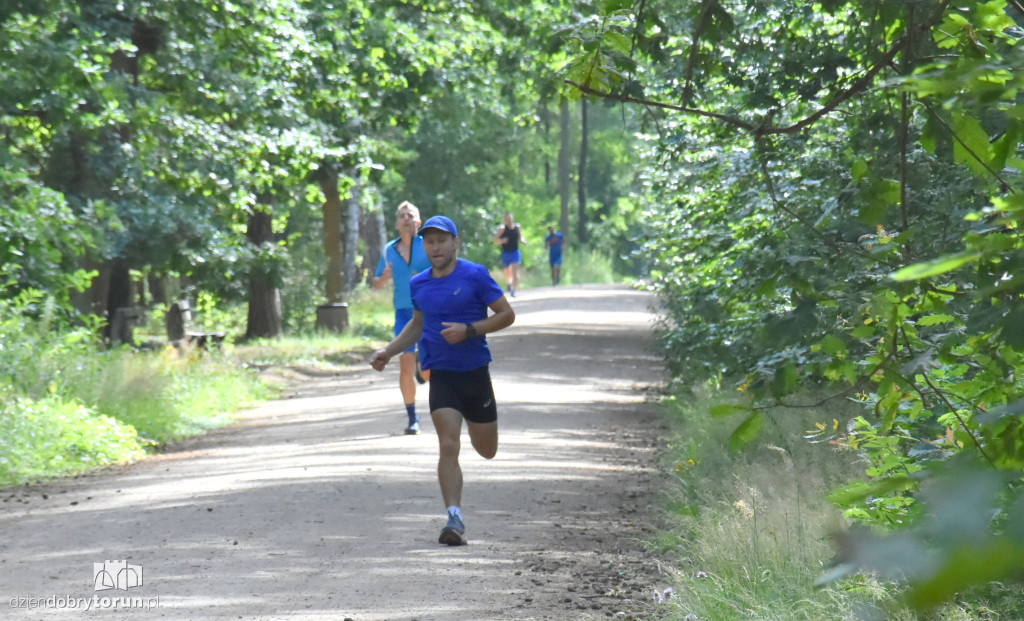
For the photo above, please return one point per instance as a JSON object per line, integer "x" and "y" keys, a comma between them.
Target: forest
{"x": 827, "y": 198}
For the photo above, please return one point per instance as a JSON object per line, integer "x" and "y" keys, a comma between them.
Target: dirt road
{"x": 316, "y": 507}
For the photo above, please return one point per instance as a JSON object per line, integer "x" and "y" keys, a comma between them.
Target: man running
{"x": 450, "y": 303}
{"x": 554, "y": 242}
{"x": 510, "y": 236}
{"x": 401, "y": 260}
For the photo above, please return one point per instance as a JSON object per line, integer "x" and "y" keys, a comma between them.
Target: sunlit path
{"x": 317, "y": 507}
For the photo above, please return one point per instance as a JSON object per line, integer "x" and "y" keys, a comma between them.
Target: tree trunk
{"x": 119, "y": 293}
{"x": 373, "y": 231}
{"x": 564, "y": 161}
{"x": 157, "y": 289}
{"x": 332, "y": 239}
{"x": 545, "y": 119}
{"x": 581, "y": 181}
{"x": 93, "y": 301}
{"x": 264, "y": 319}
{"x": 351, "y": 231}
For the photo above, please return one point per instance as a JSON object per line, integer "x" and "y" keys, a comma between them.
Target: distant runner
{"x": 554, "y": 242}
{"x": 402, "y": 259}
{"x": 510, "y": 236}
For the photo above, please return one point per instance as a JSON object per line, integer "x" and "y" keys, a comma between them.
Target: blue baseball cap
{"x": 443, "y": 223}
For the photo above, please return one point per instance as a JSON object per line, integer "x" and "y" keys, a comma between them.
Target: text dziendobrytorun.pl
{"x": 86, "y": 603}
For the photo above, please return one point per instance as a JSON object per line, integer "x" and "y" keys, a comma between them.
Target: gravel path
{"x": 317, "y": 507}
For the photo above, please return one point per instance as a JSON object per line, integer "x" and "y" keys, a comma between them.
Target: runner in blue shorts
{"x": 554, "y": 242}
{"x": 510, "y": 236}
{"x": 402, "y": 259}
{"x": 450, "y": 303}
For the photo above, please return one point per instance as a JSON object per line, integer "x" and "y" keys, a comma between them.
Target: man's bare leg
{"x": 484, "y": 437}
{"x": 448, "y": 423}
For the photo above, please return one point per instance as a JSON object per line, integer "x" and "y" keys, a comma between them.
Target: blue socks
{"x": 410, "y": 409}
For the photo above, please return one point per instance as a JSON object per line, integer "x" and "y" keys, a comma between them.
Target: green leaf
{"x": 863, "y": 332}
{"x": 971, "y": 145}
{"x": 859, "y": 170}
{"x": 861, "y": 490}
{"x": 720, "y": 410}
{"x": 747, "y": 431}
{"x": 941, "y": 265}
{"x": 832, "y": 344}
{"x": 1006, "y": 144}
{"x": 934, "y": 320}
{"x": 618, "y": 42}
{"x": 610, "y": 6}
{"x": 1013, "y": 329}
{"x": 968, "y": 565}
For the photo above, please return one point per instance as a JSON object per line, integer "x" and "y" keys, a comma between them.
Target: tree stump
{"x": 332, "y": 317}
{"x": 179, "y": 316}
{"x": 126, "y": 319}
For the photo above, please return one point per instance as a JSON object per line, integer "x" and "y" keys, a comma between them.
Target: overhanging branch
{"x": 760, "y": 131}
{"x": 660, "y": 104}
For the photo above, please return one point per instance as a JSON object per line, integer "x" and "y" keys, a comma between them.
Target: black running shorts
{"x": 469, "y": 392}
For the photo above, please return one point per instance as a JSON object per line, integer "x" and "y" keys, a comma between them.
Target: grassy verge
{"x": 749, "y": 532}
{"x": 68, "y": 405}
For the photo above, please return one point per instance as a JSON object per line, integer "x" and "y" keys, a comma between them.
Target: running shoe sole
{"x": 452, "y": 537}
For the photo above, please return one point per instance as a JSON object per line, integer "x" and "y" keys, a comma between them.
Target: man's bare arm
{"x": 409, "y": 336}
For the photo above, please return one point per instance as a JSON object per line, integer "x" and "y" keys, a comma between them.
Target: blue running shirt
{"x": 402, "y": 272}
{"x": 460, "y": 297}
{"x": 555, "y": 249}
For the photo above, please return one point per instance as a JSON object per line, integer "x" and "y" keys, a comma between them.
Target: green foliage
{"x": 142, "y": 138}
{"x": 147, "y": 135}
{"x": 748, "y": 531}
{"x": 840, "y": 206}
{"x": 52, "y": 436}
{"x": 67, "y": 406}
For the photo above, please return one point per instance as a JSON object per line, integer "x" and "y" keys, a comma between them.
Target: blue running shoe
{"x": 454, "y": 533}
{"x": 413, "y": 428}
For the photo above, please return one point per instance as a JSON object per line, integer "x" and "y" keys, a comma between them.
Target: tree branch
{"x": 760, "y": 131}
{"x": 960, "y": 419}
{"x": 659, "y": 104}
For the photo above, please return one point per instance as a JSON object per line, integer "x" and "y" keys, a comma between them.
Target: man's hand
{"x": 385, "y": 275}
{"x": 380, "y": 359}
{"x": 453, "y": 332}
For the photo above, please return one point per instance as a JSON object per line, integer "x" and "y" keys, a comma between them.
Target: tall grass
{"x": 750, "y": 532}
{"x": 163, "y": 395}
{"x": 68, "y": 404}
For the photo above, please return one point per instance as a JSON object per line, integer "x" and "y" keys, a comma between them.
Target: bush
{"x": 53, "y": 436}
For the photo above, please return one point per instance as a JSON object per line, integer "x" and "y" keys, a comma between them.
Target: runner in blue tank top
{"x": 450, "y": 303}
{"x": 402, "y": 259}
